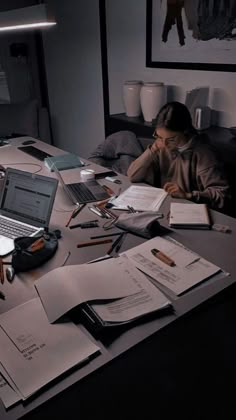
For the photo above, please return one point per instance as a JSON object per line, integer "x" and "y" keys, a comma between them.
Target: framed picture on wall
{"x": 191, "y": 34}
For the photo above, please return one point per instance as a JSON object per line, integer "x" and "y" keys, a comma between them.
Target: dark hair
{"x": 175, "y": 116}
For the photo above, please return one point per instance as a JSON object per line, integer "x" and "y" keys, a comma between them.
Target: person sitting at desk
{"x": 181, "y": 161}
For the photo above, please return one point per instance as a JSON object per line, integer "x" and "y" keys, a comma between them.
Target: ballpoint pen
{"x": 2, "y": 296}
{"x": 115, "y": 243}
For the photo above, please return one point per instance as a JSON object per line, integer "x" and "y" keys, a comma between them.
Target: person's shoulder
{"x": 201, "y": 143}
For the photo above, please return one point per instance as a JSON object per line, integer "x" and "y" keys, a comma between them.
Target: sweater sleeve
{"x": 213, "y": 187}
{"x": 145, "y": 168}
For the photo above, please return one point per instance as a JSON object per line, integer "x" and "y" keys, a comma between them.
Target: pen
{"x": 115, "y": 244}
{"x": 90, "y": 223}
{"x": 99, "y": 242}
{"x": 1, "y": 271}
{"x": 95, "y": 211}
{"x": 121, "y": 242}
{"x": 108, "y": 190}
{"x": 105, "y": 236}
{"x": 163, "y": 257}
{"x": 2, "y": 296}
{"x": 78, "y": 210}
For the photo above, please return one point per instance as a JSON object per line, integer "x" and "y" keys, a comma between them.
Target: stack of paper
{"x": 33, "y": 352}
{"x": 114, "y": 279}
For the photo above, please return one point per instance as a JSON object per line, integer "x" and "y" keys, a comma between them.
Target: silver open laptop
{"x": 25, "y": 206}
{"x": 83, "y": 192}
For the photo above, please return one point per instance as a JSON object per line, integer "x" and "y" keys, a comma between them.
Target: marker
{"x": 163, "y": 257}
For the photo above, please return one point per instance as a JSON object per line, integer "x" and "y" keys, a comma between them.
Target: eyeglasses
{"x": 167, "y": 139}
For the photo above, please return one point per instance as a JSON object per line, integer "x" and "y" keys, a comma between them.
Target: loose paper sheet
{"x": 34, "y": 352}
{"x": 189, "y": 270}
{"x": 140, "y": 198}
{"x": 66, "y": 287}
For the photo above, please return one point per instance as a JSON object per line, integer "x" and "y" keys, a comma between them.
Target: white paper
{"x": 34, "y": 352}
{"x": 140, "y": 198}
{"x": 189, "y": 270}
{"x": 8, "y": 396}
{"x": 66, "y": 287}
{"x": 147, "y": 300}
{"x": 188, "y": 214}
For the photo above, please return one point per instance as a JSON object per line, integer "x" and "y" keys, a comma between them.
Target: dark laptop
{"x": 83, "y": 192}
{"x": 25, "y": 206}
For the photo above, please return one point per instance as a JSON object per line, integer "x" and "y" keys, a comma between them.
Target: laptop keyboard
{"x": 82, "y": 193}
{"x": 12, "y": 229}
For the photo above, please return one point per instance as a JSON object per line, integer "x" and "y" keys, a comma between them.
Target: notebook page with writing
{"x": 189, "y": 215}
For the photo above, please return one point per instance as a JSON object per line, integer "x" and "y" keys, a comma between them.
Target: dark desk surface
{"x": 149, "y": 363}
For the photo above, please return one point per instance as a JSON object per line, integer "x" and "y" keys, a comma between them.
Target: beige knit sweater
{"x": 196, "y": 170}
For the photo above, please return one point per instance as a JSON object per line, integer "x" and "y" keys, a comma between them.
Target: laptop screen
{"x": 28, "y": 197}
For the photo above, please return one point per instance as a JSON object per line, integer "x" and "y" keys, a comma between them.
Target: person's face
{"x": 168, "y": 139}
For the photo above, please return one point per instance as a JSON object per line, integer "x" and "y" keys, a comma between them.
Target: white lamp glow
{"x": 31, "y": 17}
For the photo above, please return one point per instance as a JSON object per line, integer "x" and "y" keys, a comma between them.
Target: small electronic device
{"x": 113, "y": 179}
{"x": 104, "y": 174}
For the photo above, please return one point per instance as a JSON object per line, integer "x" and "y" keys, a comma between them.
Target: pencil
{"x": 91, "y": 243}
{"x": 163, "y": 257}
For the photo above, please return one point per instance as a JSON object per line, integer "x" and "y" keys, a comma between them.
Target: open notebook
{"x": 25, "y": 207}
{"x": 189, "y": 216}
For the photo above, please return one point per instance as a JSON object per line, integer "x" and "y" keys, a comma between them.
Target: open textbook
{"x": 129, "y": 293}
{"x": 170, "y": 264}
{"x": 33, "y": 352}
{"x": 140, "y": 198}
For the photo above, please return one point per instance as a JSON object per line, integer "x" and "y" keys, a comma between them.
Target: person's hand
{"x": 157, "y": 145}
{"x": 175, "y": 191}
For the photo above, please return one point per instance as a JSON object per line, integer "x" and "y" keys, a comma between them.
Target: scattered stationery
{"x": 140, "y": 198}
{"x": 29, "y": 343}
{"x": 188, "y": 270}
{"x": 63, "y": 162}
{"x": 189, "y": 216}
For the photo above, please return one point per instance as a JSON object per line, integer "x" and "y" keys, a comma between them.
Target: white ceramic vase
{"x": 131, "y": 97}
{"x": 152, "y": 98}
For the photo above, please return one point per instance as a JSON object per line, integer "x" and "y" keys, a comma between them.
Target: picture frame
{"x": 169, "y": 46}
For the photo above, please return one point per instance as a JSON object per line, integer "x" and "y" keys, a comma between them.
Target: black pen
{"x": 90, "y": 223}
{"x": 115, "y": 243}
{"x": 78, "y": 210}
{"x": 2, "y": 296}
{"x": 105, "y": 236}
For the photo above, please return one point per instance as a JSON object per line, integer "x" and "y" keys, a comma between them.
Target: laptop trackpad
{"x": 6, "y": 245}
